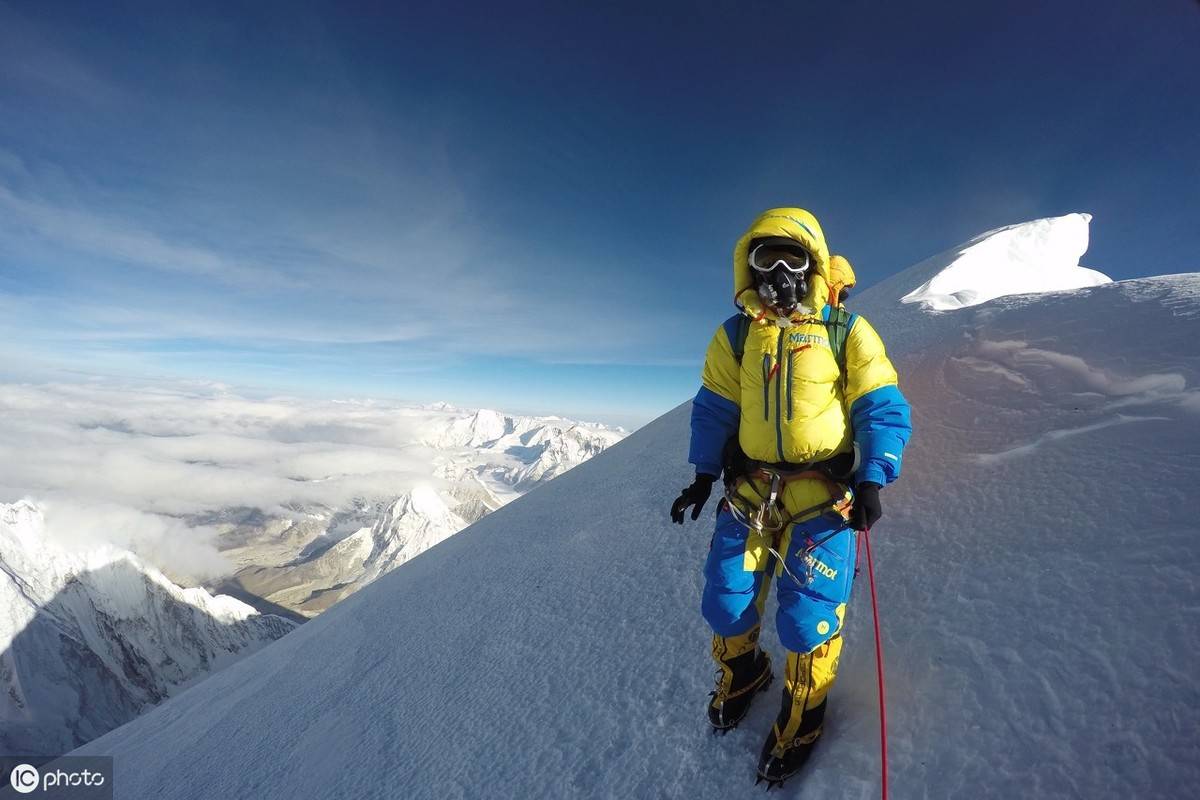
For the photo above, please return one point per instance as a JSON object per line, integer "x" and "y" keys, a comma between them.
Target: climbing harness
{"x": 768, "y": 514}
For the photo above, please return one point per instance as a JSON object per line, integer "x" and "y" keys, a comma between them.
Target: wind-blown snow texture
{"x": 1036, "y": 562}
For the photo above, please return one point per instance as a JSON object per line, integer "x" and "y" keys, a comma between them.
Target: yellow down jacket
{"x": 787, "y": 399}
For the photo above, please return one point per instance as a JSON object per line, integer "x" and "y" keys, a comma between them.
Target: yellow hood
{"x": 794, "y": 223}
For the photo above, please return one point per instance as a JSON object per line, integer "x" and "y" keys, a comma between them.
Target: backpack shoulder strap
{"x": 737, "y": 329}
{"x": 837, "y": 326}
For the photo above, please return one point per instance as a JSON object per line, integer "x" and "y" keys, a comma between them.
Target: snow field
{"x": 1037, "y": 565}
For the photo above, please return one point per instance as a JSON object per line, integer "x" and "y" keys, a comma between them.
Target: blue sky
{"x": 533, "y": 209}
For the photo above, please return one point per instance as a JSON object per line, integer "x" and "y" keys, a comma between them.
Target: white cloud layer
{"x": 125, "y": 465}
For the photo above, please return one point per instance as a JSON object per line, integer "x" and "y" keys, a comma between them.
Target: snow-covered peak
{"x": 1038, "y": 256}
{"x": 407, "y": 527}
{"x": 90, "y": 637}
{"x": 21, "y": 521}
{"x": 476, "y": 430}
{"x": 426, "y": 505}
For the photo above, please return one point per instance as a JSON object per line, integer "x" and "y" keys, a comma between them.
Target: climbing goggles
{"x": 794, "y": 258}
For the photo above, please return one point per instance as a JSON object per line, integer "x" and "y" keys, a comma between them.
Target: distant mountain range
{"x": 91, "y": 635}
{"x": 309, "y": 560}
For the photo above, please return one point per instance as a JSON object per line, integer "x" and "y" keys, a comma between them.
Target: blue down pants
{"x": 813, "y": 590}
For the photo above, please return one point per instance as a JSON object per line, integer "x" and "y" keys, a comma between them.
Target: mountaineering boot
{"x": 807, "y": 680}
{"x": 743, "y": 671}
{"x": 783, "y": 757}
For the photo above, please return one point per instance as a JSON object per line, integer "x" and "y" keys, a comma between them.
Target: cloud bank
{"x": 129, "y": 465}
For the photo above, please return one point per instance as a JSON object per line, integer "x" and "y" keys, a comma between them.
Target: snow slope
{"x": 90, "y": 639}
{"x": 1037, "y": 567}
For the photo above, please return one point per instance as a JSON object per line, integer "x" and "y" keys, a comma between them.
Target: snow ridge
{"x": 89, "y": 640}
{"x": 1038, "y": 256}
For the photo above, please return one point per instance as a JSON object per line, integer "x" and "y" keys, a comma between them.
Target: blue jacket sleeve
{"x": 714, "y": 420}
{"x": 882, "y": 426}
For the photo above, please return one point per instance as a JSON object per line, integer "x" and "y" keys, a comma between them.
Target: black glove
{"x": 696, "y": 494}
{"x": 866, "y": 511}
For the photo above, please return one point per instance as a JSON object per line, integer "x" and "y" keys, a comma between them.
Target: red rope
{"x": 878, "y": 665}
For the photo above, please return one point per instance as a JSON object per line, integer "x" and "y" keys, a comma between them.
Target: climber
{"x": 799, "y": 408}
